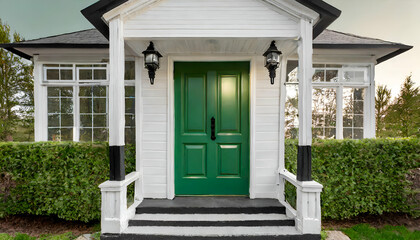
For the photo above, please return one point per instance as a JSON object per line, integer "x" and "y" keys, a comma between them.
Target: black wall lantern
{"x": 151, "y": 61}
{"x": 272, "y": 60}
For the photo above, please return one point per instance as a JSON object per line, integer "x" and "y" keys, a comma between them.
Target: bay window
{"x": 77, "y": 99}
{"x": 338, "y": 101}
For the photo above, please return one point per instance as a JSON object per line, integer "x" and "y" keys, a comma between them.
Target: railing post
{"x": 114, "y": 211}
{"x": 308, "y": 204}
{"x": 113, "y": 207}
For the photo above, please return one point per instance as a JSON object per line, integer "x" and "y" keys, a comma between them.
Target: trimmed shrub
{"x": 61, "y": 179}
{"x": 56, "y": 178}
{"x": 362, "y": 176}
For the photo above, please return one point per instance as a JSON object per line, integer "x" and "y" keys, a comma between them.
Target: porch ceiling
{"x": 225, "y": 46}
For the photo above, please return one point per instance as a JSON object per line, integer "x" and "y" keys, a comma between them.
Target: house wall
{"x": 155, "y": 138}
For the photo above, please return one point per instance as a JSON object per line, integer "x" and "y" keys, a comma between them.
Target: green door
{"x": 206, "y": 163}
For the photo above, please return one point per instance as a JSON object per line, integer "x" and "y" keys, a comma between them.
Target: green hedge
{"x": 54, "y": 178}
{"x": 362, "y": 176}
{"x": 62, "y": 179}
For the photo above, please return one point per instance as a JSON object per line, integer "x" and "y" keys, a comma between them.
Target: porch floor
{"x": 210, "y": 202}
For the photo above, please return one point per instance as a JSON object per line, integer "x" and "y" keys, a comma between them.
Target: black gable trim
{"x": 11, "y": 47}
{"x": 394, "y": 54}
{"x": 401, "y": 48}
{"x": 19, "y": 53}
{"x": 94, "y": 13}
{"x": 328, "y": 14}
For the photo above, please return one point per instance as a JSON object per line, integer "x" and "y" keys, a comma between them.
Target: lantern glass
{"x": 273, "y": 58}
{"x": 151, "y": 58}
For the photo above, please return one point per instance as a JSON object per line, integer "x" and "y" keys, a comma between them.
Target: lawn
{"x": 366, "y": 232}
{"x": 64, "y": 236}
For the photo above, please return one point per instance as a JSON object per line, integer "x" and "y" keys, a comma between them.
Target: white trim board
{"x": 171, "y": 116}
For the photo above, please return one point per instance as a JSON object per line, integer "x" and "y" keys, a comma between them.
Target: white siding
{"x": 154, "y": 147}
{"x": 210, "y": 18}
{"x": 266, "y": 133}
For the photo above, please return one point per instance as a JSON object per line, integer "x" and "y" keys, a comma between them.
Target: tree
{"x": 382, "y": 103}
{"x": 16, "y": 89}
{"x": 403, "y": 117}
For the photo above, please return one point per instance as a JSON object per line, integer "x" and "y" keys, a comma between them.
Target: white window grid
{"x": 353, "y": 115}
{"x": 76, "y": 84}
{"x": 130, "y": 115}
{"x": 328, "y": 130}
{"x": 59, "y": 114}
{"x": 78, "y": 69}
{"x": 92, "y": 113}
{"x": 340, "y": 85}
{"x": 59, "y": 68}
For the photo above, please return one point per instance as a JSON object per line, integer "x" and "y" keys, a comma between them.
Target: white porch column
{"x": 114, "y": 214}
{"x": 41, "y": 103}
{"x": 308, "y": 192}
{"x": 305, "y": 101}
{"x": 116, "y": 99}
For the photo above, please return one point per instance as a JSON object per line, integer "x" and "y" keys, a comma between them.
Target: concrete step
{"x": 165, "y": 237}
{"x": 211, "y": 220}
{"x": 211, "y": 205}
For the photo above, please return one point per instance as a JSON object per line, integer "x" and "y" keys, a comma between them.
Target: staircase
{"x": 205, "y": 218}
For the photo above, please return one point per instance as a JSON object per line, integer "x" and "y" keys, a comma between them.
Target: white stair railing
{"x": 114, "y": 211}
{"x": 308, "y": 203}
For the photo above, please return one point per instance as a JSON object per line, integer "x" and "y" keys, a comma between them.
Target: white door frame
{"x": 170, "y": 174}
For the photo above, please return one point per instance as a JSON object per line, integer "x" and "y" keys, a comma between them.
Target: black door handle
{"x": 213, "y": 130}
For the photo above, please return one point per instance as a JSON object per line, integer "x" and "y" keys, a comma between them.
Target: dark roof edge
{"x": 401, "y": 48}
{"x": 327, "y": 14}
{"x": 359, "y": 46}
{"x": 53, "y": 45}
{"x": 393, "y": 54}
{"x": 17, "y": 52}
{"x": 94, "y": 13}
{"x": 12, "y": 47}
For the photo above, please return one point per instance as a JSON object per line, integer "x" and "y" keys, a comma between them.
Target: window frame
{"x": 75, "y": 83}
{"x": 340, "y": 85}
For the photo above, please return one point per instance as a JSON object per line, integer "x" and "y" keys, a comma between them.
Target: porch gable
{"x": 207, "y": 18}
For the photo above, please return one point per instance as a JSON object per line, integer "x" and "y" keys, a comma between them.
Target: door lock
{"x": 213, "y": 130}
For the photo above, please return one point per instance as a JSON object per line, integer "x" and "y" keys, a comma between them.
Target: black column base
{"x": 304, "y": 163}
{"x": 116, "y": 163}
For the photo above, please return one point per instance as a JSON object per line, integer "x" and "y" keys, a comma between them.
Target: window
{"x": 60, "y": 113}
{"x": 324, "y": 113}
{"x": 130, "y": 123}
{"x": 78, "y": 102}
{"x": 58, "y": 72}
{"x": 93, "y": 113}
{"x": 353, "y": 112}
{"x": 292, "y": 107}
{"x": 338, "y": 101}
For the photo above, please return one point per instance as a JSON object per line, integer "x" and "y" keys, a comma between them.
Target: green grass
{"x": 366, "y": 232}
{"x": 21, "y": 236}
{"x": 324, "y": 235}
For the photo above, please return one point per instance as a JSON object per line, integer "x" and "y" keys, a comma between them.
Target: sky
{"x": 392, "y": 20}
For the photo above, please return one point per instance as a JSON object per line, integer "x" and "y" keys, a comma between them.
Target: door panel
{"x": 229, "y": 94}
{"x": 195, "y": 107}
{"x": 206, "y": 166}
{"x": 229, "y": 160}
{"x": 195, "y": 161}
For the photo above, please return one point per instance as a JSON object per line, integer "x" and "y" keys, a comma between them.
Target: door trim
{"x": 170, "y": 167}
